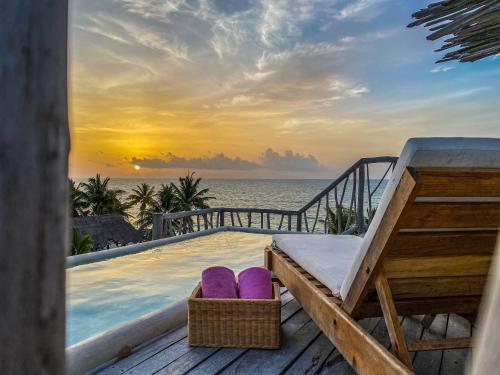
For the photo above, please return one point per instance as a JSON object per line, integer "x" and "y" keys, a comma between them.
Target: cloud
{"x": 441, "y": 68}
{"x": 134, "y": 32}
{"x": 288, "y": 161}
{"x": 219, "y": 161}
{"x": 360, "y": 10}
{"x": 155, "y": 8}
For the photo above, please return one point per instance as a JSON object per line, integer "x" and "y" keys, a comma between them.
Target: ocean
{"x": 252, "y": 193}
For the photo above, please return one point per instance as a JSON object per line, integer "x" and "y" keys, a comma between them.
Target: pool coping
{"x": 87, "y": 356}
{"x": 98, "y": 256}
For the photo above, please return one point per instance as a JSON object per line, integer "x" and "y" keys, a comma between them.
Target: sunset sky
{"x": 261, "y": 89}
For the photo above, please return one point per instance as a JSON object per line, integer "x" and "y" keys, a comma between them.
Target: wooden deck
{"x": 305, "y": 350}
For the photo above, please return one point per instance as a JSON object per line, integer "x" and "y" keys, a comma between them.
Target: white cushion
{"x": 427, "y": 152}
{"x": 326, "y": 257}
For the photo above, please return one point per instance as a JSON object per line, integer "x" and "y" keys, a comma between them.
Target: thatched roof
{"x": 472, "y": 26}
{"x": 107, "y": 230}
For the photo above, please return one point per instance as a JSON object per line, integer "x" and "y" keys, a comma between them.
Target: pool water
{"x": 107, "y": 294}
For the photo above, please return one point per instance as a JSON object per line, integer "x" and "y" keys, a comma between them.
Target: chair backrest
{"x": 434, "y": 231}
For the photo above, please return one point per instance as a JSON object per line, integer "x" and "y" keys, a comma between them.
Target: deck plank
{"x": 429, "y": 362}
{"x": 189, "y": 360}
{"x": 297, "y": 333}
{"x": 313, "y": 358}
{"x": 412, "y": 328}
{"x": 304, "y": 350}
{"x": 335, "y": 362}
{"x": 145, "y": 352}
{"x": 161, "y": 359}
{"x": 454, "y": 361}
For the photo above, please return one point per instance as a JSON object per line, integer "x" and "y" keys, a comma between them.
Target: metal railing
{"x": 345, "y": 206}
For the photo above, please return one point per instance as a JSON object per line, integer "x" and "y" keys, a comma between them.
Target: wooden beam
{"x": 419, "y": 306}
{"x": 474, "y": 182}
{"x": 452, "y": 215}
{"x": 453, "y": 343}
{"x": 34, "y": 145}
{"x": 391, "y": 319}
{"x": 443, "y": 243}
{"x": 437, "y": 266}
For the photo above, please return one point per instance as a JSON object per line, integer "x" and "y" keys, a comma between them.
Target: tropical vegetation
{"x": 342, "y": 218}
{"x": 189, "y": 196}
{"x": 95, "y": 197}
{"x": 144, "y": 196}
{"x": 82, "y": 243}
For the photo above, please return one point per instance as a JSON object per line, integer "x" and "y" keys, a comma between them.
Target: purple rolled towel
{"x": 218, "y": 282}
{"x": 255, "y": 283}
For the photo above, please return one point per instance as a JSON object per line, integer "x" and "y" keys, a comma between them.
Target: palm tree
{"x": 77, "y": 200}
{"x": 166, "y": 199}
{"x": 117, "y": 205}
{"x": 81, "y": 243}
{"x": 144, "y": 196}
{"x": 101, "y": 199}
{"x": 189, "y": 196}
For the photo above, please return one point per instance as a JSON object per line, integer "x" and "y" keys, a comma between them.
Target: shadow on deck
{"x": 304, "y": 350}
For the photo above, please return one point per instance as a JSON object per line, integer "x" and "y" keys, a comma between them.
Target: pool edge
{"x": 104, "y": 348}
{"x": 98, "y": 256}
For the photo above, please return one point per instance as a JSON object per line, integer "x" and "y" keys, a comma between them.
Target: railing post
{"x": 157, "y": 226}
{"x": 299, "y": 222}
{"x": 205, "y": 220}
{"x": 360, "y": 218}
{"x": 221, "y": 218}
{"x": 184, "y": 225}
{"x": 169, "y": 228}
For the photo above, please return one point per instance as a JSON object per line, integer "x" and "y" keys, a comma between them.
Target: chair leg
{"x": 391, "y": 319}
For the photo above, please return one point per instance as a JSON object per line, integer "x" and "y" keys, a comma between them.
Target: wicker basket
{"x": 236, "y": 323}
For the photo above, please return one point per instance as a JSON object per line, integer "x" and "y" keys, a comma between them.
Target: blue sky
{"x": 293, "y": 88}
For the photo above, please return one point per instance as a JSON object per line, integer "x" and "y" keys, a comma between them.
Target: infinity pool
{"x": 109, "y": 293}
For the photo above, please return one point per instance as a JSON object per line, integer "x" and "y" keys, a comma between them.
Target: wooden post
{"x": 205, "y": 220}
{"x": 360, "y": 217}
{"x": 299, "y": 222}
{"x": 170, "y": 228}
{"x": 184, "y": 225}
{"x": 221, "y": 218}
{"x": 157, "y": 231}
{"x": 34, "y": 146}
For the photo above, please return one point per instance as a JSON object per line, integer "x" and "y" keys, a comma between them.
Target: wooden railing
{"x": 345, "y": 206}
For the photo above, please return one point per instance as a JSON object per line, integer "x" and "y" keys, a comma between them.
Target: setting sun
{"x": 136, "y": 167}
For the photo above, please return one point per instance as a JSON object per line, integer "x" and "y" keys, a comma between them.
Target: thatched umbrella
{"x": 471, "y": 25}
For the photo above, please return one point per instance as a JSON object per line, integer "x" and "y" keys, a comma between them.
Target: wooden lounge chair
{"x": 427, "y": 251}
